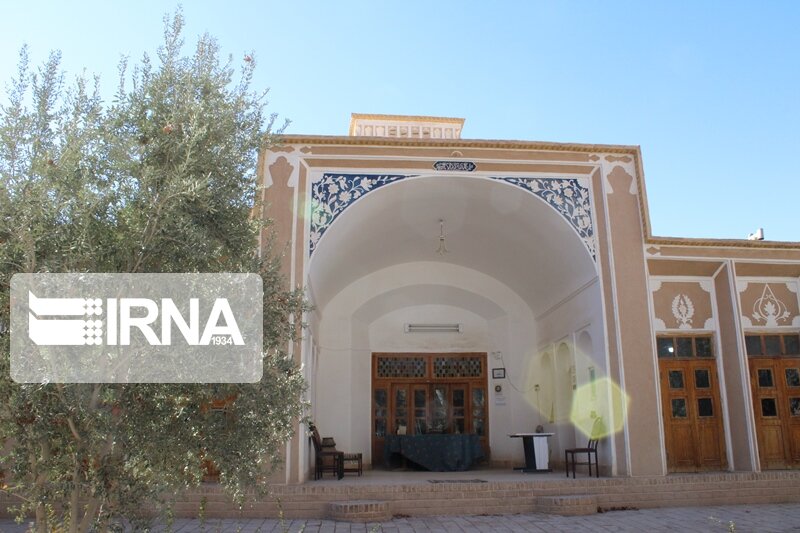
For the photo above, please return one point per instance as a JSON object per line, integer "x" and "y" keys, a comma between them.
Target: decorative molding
{"x": 683, "y": 311}
{"x": 633, "y": 151}
{"x": 720, "y": 243}
{"x": 741, "y": 286}
{"x": 335, "y": 192}
{"x": 568, "y": 197}
{"x": 791, "y": 286}
{"x": 655, "y": 285}
{"x": 769, "y": 309}
{"x": 659, "y": 324}
{"x": 459, "y": 166}
{"x": 707, "y": 285}
{"x": 292, "y": 158}
{"x": 628, "y": 167}
{"x": 653, "y": 250}
{"x": 709, "y": 325}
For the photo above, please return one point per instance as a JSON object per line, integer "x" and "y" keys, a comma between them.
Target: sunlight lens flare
{"x": 598, "y": 408}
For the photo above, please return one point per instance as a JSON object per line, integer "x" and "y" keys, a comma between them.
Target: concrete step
{"x": 573, "y": 505}
{"x": 360, "y": 511}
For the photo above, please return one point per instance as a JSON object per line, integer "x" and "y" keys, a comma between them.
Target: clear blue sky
{"x": 710, "y": 90}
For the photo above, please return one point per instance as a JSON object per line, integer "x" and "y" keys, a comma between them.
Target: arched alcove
{"x": 565, "y": 385}
{"x": 510, "y": 259}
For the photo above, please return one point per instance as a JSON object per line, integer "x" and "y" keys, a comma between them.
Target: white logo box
{"x": 136, "y": 328}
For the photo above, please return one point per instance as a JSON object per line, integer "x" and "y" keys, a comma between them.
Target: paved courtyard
{"x": 739, "y": 518}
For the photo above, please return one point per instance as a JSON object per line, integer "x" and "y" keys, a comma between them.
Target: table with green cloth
{"x": 434, "y": 451}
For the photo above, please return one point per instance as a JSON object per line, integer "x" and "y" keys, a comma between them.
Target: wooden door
{"x": 419, "y": 393}
{"x": 693, "y": 429}
{"x": 421, "y": 403}
{"x": 775, "y": 382}
{"x": 478, "y": 415}
{"x": 448, "y": 408}
{"x": 459, "y": 414}
{"x": 708, "y": 415}
{"x": 399, "y": 409}
{"x": 791, "y": 382}
{"x": 679, "y": 428}
{"x": 380, "y": 420}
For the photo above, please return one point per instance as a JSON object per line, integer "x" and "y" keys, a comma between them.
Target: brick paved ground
{"x": 745, "y": 518}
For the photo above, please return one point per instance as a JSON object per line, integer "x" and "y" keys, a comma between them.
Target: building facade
{"x": 491, "y": 287}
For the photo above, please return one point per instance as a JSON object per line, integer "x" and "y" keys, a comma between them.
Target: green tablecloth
{"x": 436, "y": 452}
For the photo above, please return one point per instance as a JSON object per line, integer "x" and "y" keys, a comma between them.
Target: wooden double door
{"x": 415, "y": 394}
{"x": 775, "y": 384}
{"x": 693, "y": 429}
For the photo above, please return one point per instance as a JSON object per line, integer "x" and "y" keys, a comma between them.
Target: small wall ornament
{"x": 683, "y": 311}
{"x": 769, "y": 309}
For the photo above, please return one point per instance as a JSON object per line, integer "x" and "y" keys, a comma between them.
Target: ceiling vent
{"x": 432, "y": 328}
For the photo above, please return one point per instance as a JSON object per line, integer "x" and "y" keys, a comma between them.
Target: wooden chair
{"x": 353, "y": 462}
{"x": 325, "y": 460}
{"x": 590, "y": 450}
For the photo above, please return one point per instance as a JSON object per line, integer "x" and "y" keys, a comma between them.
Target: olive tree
{"x": 160, "y": 179}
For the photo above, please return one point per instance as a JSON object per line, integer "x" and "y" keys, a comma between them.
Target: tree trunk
{"x": 89, "y": 515}
{"x": 41, "y": 519}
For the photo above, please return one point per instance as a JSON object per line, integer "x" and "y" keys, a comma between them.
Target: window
{"x": 702, "y": 380}
{"x": 703, "y": 347}
{"x": 753, "y": 345}
{"x": 665, "y": 347}
{"x": 705, "y": 407}
{"x": 794, "y": 406}
{"x": 679, "y": 408}
{"x": 685, "y": 346}
{"x": 772, "y": 344}
{"x": 769, "y": 407}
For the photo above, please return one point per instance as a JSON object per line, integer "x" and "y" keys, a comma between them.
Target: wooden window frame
{"x": 762, "y": 335}
{"x": 471, "y": 384}
{"x": 693, "y": 337}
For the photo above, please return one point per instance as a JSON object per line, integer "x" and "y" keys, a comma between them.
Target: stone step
{"x": 573, "y": 505}
{"x": 360, "y": 511}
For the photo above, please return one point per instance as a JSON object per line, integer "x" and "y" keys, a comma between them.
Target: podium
{"x": 537, "y": 451}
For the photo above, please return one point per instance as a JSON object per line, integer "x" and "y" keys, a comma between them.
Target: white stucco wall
{"x": 571, "y": 333}
{"x": 368, "y": 316}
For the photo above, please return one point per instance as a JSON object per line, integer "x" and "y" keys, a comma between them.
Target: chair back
{"x": 315, "y": 438}
{"x": 597, "y": 433}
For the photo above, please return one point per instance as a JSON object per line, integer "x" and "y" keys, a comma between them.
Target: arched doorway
{"x": 511, "y": 258}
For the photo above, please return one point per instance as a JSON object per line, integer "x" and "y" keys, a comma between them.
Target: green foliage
{"x": 162, "y": 179}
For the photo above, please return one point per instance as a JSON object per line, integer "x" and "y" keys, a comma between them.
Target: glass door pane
{"x": 420, "y": 410}
{"x": 479, "y": 411}
{"x": 381, "y": 411}
{"x": 459, "y": 408}
{"x": 439, "y": 409}
{"x": 400, "y": 409}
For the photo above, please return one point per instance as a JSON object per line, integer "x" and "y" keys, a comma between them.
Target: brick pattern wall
{"x": 312, "y": 500}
